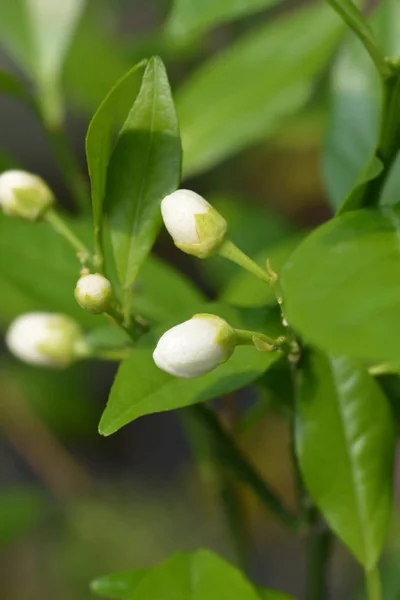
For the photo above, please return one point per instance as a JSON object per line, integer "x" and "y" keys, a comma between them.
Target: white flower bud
{"x": 194, "y": 225}
{"x": 44, "y": 339}
{"x": 24, "y": 195}
{"x": 94, "y": 293}
{"x": 195, "y": 347}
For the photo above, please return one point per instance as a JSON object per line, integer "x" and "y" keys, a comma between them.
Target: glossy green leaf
{"x": 184, "y": 576}
{"x": 37, "y": 34}
{"x": 140, "y": 388}
{"x": 353, "y": 128}
{"x": 246, "y": 290}
{"x": 254, "y": 83}
{"x": 190, "y": 17}
{"x": 252, "y": 228}
{"x": 108, "y": 119}
{"x": 342, "y": 285}
{"x": 20, "y": 511}
{"x": 144, "y": 167}
{"x": 345, "y": 443}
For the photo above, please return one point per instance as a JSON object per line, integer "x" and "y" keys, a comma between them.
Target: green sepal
{"x": 211, "y": 228}
{"x": 31, "y": 203}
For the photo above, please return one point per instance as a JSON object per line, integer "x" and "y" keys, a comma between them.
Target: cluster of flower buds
{"x": 200, "y": 344}
{"x": 24, "y": 195}
{"x": 190, "y": 349}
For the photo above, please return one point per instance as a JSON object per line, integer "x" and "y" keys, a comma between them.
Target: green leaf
{"x": 119, "y": 585}
{"x": 162, "y": 293}
{"x": 140, "y": 388}
{"x": 45, "y": 277}
{"x": 40, "y": 270}
{"x": 108, "y": 119}
{"x": 354, "y": 200}
{"x": 144, "y": 167}
{"x": 272, "y": 595}
{"x": 95, "y": 60}
{"x": 71, "y": 417}
{"x": 188, "y": 17}
{"x": 184, "y": 576}
{"x": 11, "y": 86}
{"x": 342, "y": 285}
{"x": 345, "y": 444}
{"x": 252, "y": 228}
{"x": 278, "y": 63}
{"x": 246, "y": 290}
{"x": 20, "y": 511}
{"x": 37, "y": 34}
{"x": 353, "y": 129}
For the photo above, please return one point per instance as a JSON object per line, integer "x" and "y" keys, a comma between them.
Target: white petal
{"x": 190, "y": 349}
{"x": 179, "y": 210}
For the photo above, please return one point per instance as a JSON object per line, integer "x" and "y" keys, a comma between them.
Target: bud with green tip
{"x": 194, "y": 225}
{"x": 45, "y": 339}
{"x": 195, "y": 347}
{"x": 94, "y": 293}
{"x": 24, "y": 195}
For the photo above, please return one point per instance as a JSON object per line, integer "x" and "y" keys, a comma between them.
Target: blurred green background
{"x": 74, "y": 505}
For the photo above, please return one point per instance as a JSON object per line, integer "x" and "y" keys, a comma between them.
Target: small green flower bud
{"x": 45, "y": 339}
{"x": 194, "y": 225}
{"x": 24, "y": 195}
{"x": 94, "y": 293}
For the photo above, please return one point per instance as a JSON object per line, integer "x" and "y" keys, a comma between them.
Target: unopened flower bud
{"x": 24, "y": 195}
{"x": 44, "y": 339}
{"x": 195, "y": 226}
{"x": 195, "y": 347}
{"x": 94, "y": 293}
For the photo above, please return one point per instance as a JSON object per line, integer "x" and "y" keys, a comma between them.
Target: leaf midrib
{"x": 358, "y": 500}
{"x": 143, "y": 182}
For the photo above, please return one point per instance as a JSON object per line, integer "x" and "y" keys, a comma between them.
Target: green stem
{"x": 318, "y": 553}
{"x": 127, "y": 296}
{"x": 212, "y": 474}
{"x": 109, "y": 354}
{"x": 351, "y": 15}
{"x": 69, "y": 167}
{"x": 246, "y": 338}
{"x": 134, "y": 328}
{"x": 373, "y": 584}
{"x": 233, "y": 253}
{"x": 98, "y": 249}
{"x": 389, "y": 137}
{"x": 59, "y": 225}
{"x": 232, "y": 459}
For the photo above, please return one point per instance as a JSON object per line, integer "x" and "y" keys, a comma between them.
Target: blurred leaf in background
{"x": 20, "y": 510}
{"x": 353, "y": 129}
{"x": 279, "y": 62}
{"x": 37, "y": 33}
{"x": 194, "y": 17}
